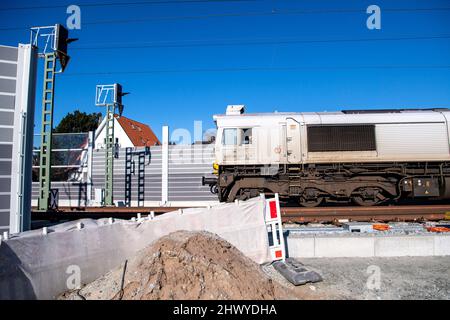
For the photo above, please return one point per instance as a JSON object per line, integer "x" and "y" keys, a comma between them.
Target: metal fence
{"x": 69, "y": 156}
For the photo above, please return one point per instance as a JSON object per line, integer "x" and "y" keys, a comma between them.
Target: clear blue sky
{"x": 332, "y": 79}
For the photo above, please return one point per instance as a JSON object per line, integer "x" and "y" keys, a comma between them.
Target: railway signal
{"x": 52, "y": 43}
{"x": 110, "y": 96}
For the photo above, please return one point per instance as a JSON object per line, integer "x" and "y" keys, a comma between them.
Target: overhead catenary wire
{"x": 169, "y": 2}
{"x": 122, "y": 3}
{"x": 256, "y": 69}
{"x": 246, "y": 42}
{"x": 273, "y": 12}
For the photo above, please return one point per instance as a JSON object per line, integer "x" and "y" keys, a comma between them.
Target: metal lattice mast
{"x": 109, "y": 155}
{"x": 46, "y": 130}
{"x": 51, "y": 42}
{"x": 109, "y": 96}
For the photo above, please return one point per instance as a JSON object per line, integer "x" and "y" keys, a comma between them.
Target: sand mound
{"x": 183, "y": 265}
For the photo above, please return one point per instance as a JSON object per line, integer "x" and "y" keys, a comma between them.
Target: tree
{"x": 78, "y": 122}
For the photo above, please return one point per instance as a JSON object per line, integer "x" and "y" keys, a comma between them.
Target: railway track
{"x": 382, "y": 213}
{"x": 72, "y": 213}
{"x": 289, "y": 214}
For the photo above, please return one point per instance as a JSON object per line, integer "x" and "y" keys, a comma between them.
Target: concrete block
{"x": 295, "y": 272}
{"x": 368, "y": 246}
{"x": 442, "y": 245}
{"x": 334, "y": 247}
{"x": 400, "y": 246}
{"x": 363, "y": 227}
{"x": 300, "y": 247}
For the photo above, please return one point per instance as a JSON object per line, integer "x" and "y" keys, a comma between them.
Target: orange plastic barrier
{"x": 438, "y": 229}
{"x": 380, "y": 227}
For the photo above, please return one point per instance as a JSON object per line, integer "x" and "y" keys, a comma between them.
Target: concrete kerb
{"x": 367, "y": 245}
{"x": 442, "y": 245}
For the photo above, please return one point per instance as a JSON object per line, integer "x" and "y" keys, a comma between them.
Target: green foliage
{"x": 78, "y": 122}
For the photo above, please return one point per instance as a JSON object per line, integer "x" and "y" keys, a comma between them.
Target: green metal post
{"x": 46, "y": 131}
{"x": 109, "y": 154}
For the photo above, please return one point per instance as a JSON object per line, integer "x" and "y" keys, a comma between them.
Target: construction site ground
{"x": 401, "y": 278}
{"x": 201, "y": 265}
{"x": 184, "y": 265}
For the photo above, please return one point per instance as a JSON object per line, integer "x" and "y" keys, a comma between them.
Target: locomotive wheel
{"x": 244, "y": 194}
{"x": 360, "y": 201}
{"x": 214, "y": 189}
{"x": 366, "y": 201}
{"x": 310, "y": 203}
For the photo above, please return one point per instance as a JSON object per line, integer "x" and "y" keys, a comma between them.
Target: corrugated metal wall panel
{"x": 185, "y": 175}
{"x": 7, "y": 100}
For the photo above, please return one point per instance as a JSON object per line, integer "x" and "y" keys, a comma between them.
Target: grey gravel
{"x": 402, "y": 278}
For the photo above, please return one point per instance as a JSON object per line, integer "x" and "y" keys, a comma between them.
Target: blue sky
{"x": 327, "y": 77}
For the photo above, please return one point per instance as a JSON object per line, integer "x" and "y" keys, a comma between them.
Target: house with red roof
{"x": 128, "y": 133}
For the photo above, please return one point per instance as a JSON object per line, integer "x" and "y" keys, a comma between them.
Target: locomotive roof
{"x": 361, "y": 111}
{"x": 345, "y": 116}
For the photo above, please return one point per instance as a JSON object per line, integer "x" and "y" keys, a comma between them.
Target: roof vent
{"x": 235, "y": 109}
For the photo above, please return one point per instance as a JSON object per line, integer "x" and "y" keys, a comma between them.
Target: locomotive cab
{"x": 235, "y": 145}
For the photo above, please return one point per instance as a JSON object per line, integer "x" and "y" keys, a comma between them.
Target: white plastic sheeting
{"x": 38, "y": 266}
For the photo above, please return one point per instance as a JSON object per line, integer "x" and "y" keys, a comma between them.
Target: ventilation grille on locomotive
{"x": 323, "y": 138}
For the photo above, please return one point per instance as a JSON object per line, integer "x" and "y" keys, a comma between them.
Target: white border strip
{"x": 165, "y": 165}
{"x": 8, "y": 61}
{"x": 8, "y": 78}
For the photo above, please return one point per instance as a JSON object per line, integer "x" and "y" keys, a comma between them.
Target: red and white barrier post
{"x": 273, "y": 222}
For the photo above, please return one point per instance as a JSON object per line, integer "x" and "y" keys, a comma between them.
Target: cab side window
{"x": 246, "y": 136}
{"x": 229, "y": 137}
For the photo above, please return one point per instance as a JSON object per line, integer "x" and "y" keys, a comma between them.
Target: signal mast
{"x": 110, "y": 96}
{"x": 51, "y": 43}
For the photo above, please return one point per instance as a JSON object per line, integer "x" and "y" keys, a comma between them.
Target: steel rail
{"x": 289, "y": 214}
{"x": 380, "y": 213}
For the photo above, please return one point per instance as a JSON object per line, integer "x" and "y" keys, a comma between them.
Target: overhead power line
{"x": 110, "y": 4}
{"x": 257, "y": 69}
{"x": 245, "y": 42}
{"x": 273, "y": 12}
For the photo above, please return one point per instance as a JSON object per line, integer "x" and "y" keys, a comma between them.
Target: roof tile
{"x": 140, "y": 134}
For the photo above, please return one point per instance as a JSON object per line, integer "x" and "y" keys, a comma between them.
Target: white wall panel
{"x": 17, "y": 95}
{"x": 414, "y": 141}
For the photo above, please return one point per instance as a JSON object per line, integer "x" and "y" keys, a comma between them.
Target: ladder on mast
{"x": 141, "y": 179}
{"x": 46, "y": 130}
{"x": 109, "y": 155}
{"x": 128, "y": 164}
{"x": 129, "y": 170}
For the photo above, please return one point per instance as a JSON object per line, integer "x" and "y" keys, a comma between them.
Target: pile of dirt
{"x": 184, "y": 265}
